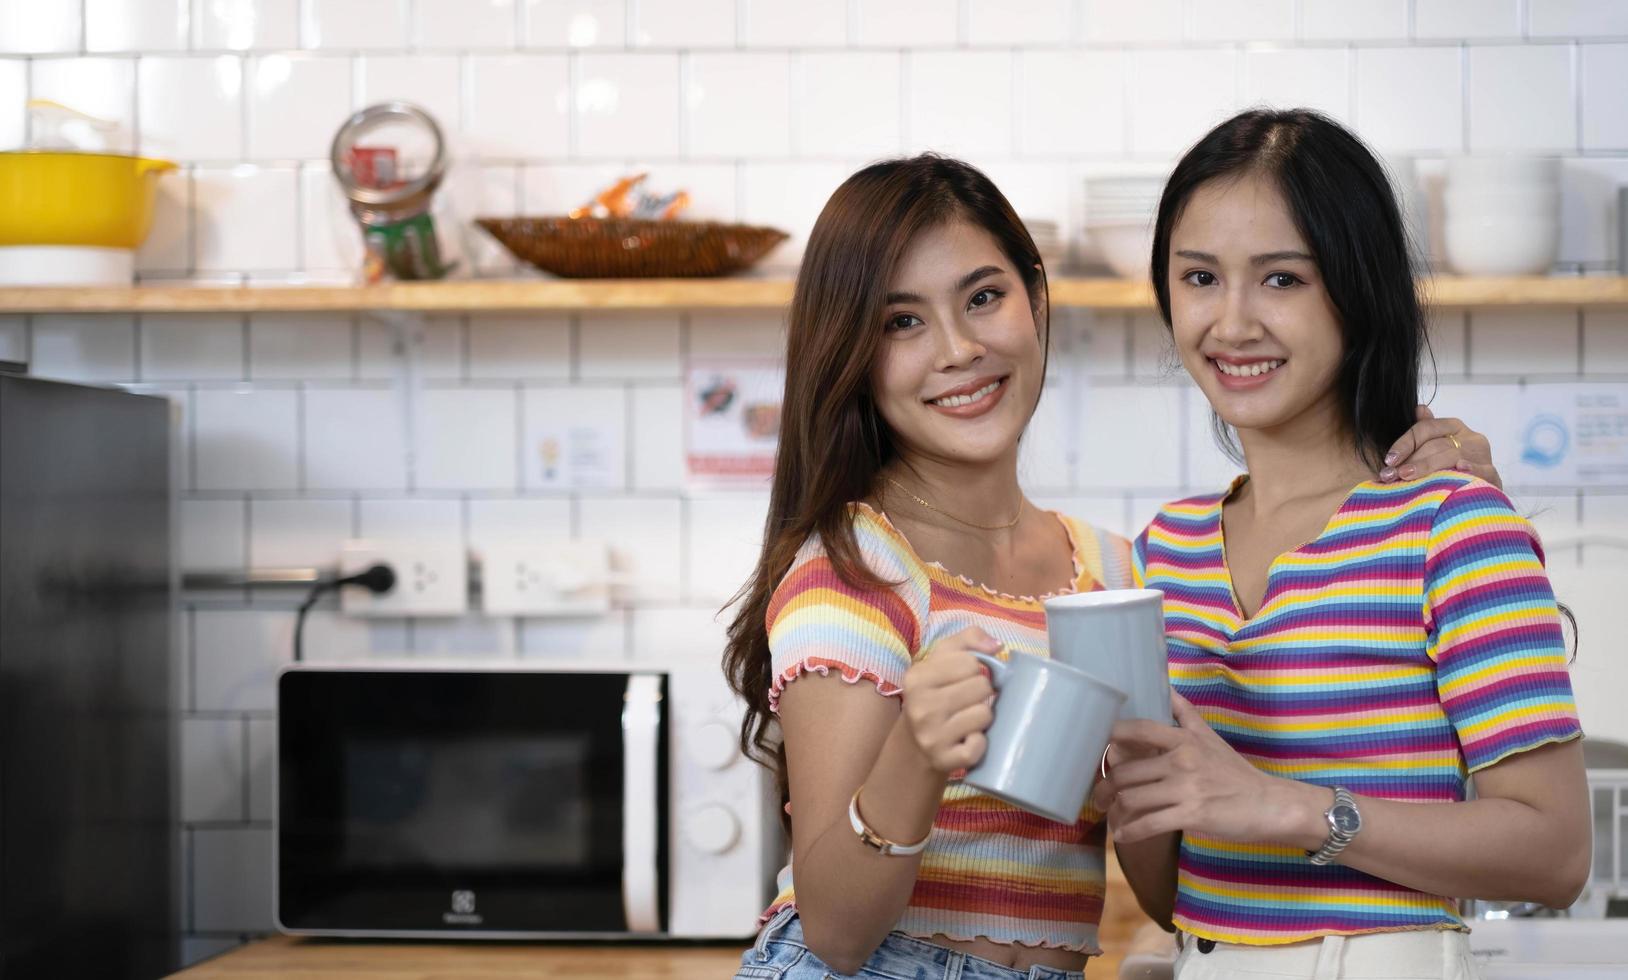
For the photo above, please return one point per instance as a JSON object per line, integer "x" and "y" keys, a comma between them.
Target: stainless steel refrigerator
{"x": 87, "y": 796}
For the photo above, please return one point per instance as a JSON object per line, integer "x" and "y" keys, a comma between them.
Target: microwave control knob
{"x": 712, "y": 829}
{"x": 714, "y": 745}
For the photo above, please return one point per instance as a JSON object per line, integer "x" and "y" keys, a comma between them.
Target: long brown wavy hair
{"x": 833, "y": 441}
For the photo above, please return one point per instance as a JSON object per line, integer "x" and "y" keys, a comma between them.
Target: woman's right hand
{"x": 946, "y": 700}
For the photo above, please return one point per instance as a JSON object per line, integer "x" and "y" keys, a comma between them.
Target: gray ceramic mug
{"x": 1051, "y": 726}
{"x": 1117, "y": 635}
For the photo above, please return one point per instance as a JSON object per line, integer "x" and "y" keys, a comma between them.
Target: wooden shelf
{"x": 511, "y": 295}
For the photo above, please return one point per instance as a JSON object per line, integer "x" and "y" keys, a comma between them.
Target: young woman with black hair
{"x": 898, "y": 542}
{"x": 1346, "y": 652}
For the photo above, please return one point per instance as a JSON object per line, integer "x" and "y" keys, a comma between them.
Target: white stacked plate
{"x": 1048, "y": 238}
{"x": 1119, "y": 214}
{"x": 1502, "y": 215}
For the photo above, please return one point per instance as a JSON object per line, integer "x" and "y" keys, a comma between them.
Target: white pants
{"x": 1417, "y": 955}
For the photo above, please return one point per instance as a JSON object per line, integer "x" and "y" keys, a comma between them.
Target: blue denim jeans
{"x": 781, "y": 954}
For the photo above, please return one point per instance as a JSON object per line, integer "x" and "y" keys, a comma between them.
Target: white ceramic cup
{"x": 1051, "y": 726}
{"x": 1116, "y": 635}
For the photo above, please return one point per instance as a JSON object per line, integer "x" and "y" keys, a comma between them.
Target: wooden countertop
{"x": 286, "y": 957}
{"x": 330, "y": 959}
{"x": 529, "y": 295}
{"x": 1124, "y": 929}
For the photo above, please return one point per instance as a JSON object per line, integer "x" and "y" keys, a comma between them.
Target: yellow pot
{"x": 96, "y": 199}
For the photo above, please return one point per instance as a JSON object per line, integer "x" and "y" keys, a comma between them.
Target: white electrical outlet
{"x": 432, "y": 578}
{"x": 546, "y": 578}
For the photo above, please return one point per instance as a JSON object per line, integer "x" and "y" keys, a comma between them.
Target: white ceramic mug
{"x": 1051, "y": 727}
{"x": 1117, "y": 635}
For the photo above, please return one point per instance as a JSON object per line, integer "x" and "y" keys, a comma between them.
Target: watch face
{"x": 1346, "y": 819}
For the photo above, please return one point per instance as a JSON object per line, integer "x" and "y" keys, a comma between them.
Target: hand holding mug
{"x": 946, "y": 700}
{"x": 1163, "y": 779}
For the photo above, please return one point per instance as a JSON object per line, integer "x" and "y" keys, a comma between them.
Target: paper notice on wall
{"x": 1549, "y": 434}
{"x": 576, "y": 453}
{"x": 732, "y": 421}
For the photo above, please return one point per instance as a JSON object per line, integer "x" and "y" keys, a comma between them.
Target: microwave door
{"x": 481, "y": 802}
{"x": 641, "y": 748}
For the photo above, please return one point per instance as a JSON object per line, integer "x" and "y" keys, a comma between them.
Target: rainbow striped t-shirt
{"x": 990, "y": 870}
{"x": 1414, "y": 641}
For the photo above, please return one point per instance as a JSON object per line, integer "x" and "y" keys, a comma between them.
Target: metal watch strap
{"x": 871, "y": 838}
{"x": 1337, "y": 838}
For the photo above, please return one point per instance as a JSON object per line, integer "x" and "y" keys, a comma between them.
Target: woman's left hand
{"x": 1166, "y": 779}
{"x": 1433, "y": 445}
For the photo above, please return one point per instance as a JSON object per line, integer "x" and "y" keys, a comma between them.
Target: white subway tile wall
{"x": 243, "y": 25}
{"x": 574, "y": 23}
{"x": 906, "y": 23}
{"x": 296, "y": 533}
{"x": 136, "y": 25}
{"x": 1605, "y": 114}
{"x": 1411, "y": 100}
{"x": 1244, "y": 20}
{"x": 192, "y": 108}
{"x": 960, "y": 102}
{"x": 628, "y": 104}
{"x": 793, "y": 24}
{"x": 728, "y": 87}
{"x": 295, "y": 104}
{"x": 244, "y": 219}
{"x": 213, "y": 533}
{"x": 354, "y": 24}
{"x": 1152, "y": 22}
{"x": 1005, "y": 23}
{"x": 192, "y": 348}
{"x": 1512, "y": 95}
{"x": 518, "y": 106}
{"x": 1467, "y": 18}
{"x": 100, "y": 87}
{"x": 1339, "y": 20}
{"x": 1313, "y": 78}
{"x": 1175, "y": 95}
{"x": 299, "y": 431}
{"x": 464, "y": 24}
{"x": 13, "y": 111}
{"x": 1578, "y": 18}
{"x": 27, "y": 27}
{"x": 692, "y": 24}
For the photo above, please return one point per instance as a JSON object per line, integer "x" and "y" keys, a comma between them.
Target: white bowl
{"x": 1118, "y": 210}
{"x": 1503, "y": 169}
{"x": 1118, "y": 218}
{"x": 1116, "y": 200}
{"x": 1126, "y": 247}
{"x": 1506, "y": 204}
{"x": 1122, "y": 183}
{"x": 1501, "y": 246}
{"x": 1508, "y": 194}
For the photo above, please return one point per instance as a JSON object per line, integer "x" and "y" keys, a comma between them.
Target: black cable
{"x": 377, "y": 579}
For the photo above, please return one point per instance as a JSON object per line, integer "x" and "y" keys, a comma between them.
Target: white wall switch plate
{"x": 432, "y": 577}
{"x": 558, "y": 577}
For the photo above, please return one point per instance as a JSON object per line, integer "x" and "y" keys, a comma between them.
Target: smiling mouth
{"x": 971, "y": 398}
{"x": 1252, "y": 370}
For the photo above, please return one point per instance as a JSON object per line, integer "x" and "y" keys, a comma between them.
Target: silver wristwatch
{"x": 1344, "y": 823}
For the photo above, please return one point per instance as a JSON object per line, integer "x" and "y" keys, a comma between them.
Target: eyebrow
{"x": 1264, "y": 258}
{"x": 982, "y": 272}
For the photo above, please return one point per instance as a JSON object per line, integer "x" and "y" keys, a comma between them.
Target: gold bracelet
{"x": 871, "y": 838}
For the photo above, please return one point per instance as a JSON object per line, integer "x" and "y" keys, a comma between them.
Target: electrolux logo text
{"x": 463, "y": 910}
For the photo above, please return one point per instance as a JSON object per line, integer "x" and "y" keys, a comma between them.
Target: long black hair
{"x": 1344, "y": 207}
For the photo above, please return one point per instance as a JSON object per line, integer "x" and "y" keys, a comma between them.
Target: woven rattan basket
{"x": 625, "y": 248}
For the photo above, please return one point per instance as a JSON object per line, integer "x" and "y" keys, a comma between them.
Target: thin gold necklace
{"x": 982, "y": 527}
